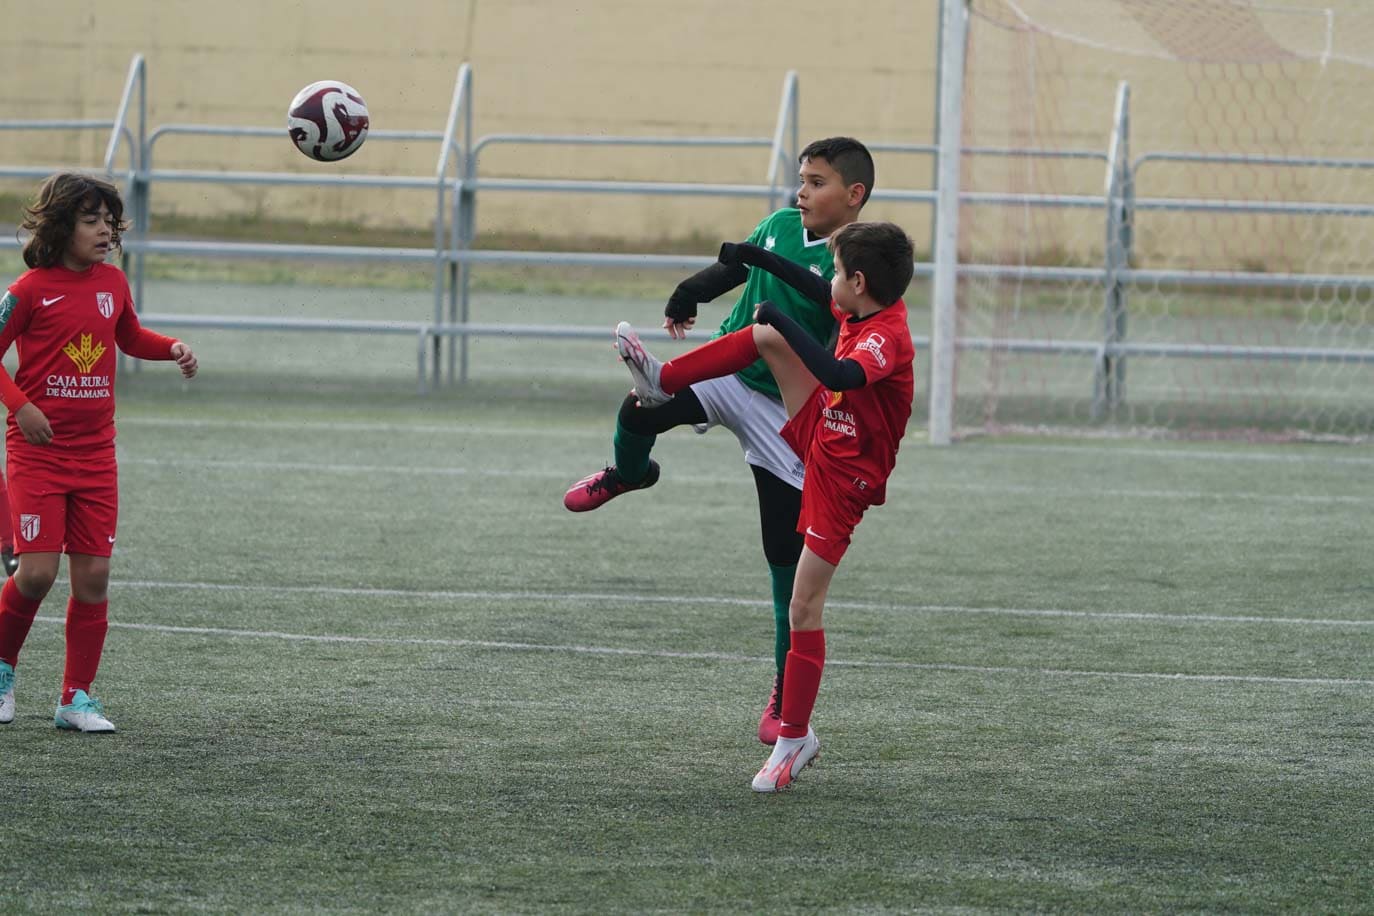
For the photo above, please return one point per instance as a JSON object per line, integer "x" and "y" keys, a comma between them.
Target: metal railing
{"x": 457, "y": 182}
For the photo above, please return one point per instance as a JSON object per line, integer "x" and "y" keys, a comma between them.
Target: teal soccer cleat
{"x": 83, "y": 714}
{"x": 6, "y": 693}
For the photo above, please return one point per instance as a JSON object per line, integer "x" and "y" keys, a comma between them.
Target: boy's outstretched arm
{"x": 703, "y": 286}
{"x": 834, "y": 374}
{"x": 812, "y": 286}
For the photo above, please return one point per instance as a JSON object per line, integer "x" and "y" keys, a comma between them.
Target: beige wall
{"x": 635, "y": 67}
{"x": 716, "y": 67}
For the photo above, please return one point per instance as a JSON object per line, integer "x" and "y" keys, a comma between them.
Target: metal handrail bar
{"x": 137, "y": 76}
{"x": 1204, "y": 205}
{"x": 289, "y": 178}
{"x": 74, "y": 124}
{"x": 604, "y": 140}
{"x": 276, "y": 250}
{"x": 1034, "y": 273}
{"x": 1197, "y": 351}
{"x": 1225, "y": 351}
{"x": 1252, "y": 159}
{"x": 38, "y": 171}
{"x": 210, "y": 130}
{"x": 1032, "y": 152}
{"x": 562, "y": 331}
{"x": 1248, "y": 278}
{"x": 280, "y": 323}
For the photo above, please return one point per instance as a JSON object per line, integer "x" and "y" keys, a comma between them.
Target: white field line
{"x": 1309, "y": 455}
{"x": 349, "y": 426}
{"x": 1248, "y": 453}
{"x": 898, "y": 485}
{"x": 726, "y": 656}
{"x": 725, "y": 601}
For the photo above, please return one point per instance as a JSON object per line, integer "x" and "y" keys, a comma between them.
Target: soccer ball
{"x": 327, "y": 120}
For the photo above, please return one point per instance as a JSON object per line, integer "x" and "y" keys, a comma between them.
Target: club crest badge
{"x": 104, "y": 302}
{"x": 29, "y": 525}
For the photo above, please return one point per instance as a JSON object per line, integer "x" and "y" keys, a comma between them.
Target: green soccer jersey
{"x": 782, "y": 234}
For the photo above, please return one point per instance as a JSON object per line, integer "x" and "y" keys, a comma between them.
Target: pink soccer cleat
{"x": 595, "y": 490}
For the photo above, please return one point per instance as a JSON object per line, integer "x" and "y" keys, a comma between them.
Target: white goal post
{"x": 1155, "y": 216}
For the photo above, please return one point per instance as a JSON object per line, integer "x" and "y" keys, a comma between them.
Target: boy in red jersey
{"x": 66, "y": 315}
{"x": 847, "y": 412}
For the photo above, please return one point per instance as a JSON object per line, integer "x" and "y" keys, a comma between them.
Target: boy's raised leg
{"x": 633, "y": 468}
{"x": 644, "y": 367}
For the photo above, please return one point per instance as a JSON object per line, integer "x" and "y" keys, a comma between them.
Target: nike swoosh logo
{"x": 47, "y": 301}
{"x": 820, "y": 537}
{"x": 111, "y": 539}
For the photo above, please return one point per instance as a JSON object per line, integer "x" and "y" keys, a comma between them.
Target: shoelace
{"x": 92, "y": 705}
{"x": 600, "y": 483}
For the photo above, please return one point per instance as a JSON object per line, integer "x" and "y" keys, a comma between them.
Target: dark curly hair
{"x": 51, "y": 221}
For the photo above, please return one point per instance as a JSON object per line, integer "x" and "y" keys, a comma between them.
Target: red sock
{"x": 86, "y": 628}
{"x": 801, "y": 681}
{"x": 16, "y": 616}
{"x": 722, "y": 356}
{"x": 6, "y": 524}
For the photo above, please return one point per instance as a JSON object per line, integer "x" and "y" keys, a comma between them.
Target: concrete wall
{"x": 716, "y": 68}
{"x": 636, "y": 67}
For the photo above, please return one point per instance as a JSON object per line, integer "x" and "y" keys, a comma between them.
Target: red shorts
{"x": 830, "y": 509}
{"x": 63, "y": 507}
{"x": 800, "y": 429}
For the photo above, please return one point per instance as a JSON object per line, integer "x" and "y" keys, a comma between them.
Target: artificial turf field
{"x": 362, "y": 659}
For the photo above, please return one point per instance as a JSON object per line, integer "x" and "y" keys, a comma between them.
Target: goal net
{"x": 1167, "y": 217}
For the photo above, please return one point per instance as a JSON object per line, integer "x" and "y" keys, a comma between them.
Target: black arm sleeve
{"x": 812, "y": 286}
{"x": 703, "y": 286}
{"x": 834, "y": 374}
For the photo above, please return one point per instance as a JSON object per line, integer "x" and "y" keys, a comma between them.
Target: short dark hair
{"x": 52, "y": 219}
{"x": 847, "y": 156}
{"x": 882, "y": 252}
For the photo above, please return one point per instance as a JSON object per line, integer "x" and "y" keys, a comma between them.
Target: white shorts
{"x": 755, "y": 419}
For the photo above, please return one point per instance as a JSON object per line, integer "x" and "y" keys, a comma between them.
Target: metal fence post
{"x": 1109, "y": 374}
{"x": 137, "y": 193}
{"x": 466, "y": 228}
{"x": 785, "y": 127}
{"x": 945, "y": 283}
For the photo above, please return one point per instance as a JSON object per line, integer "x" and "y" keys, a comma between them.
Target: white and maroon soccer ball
{"x": 327, "y": 120}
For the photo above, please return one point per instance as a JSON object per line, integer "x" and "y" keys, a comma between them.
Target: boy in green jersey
{"x": 836, "y": 178}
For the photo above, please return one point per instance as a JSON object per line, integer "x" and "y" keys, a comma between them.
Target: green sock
{"x": 632, "y": 454}
{"x": 782, "y": 601}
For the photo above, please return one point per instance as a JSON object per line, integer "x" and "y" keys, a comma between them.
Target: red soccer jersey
{"x": 857, "y": 436}
{"x": 67, "y": 324}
